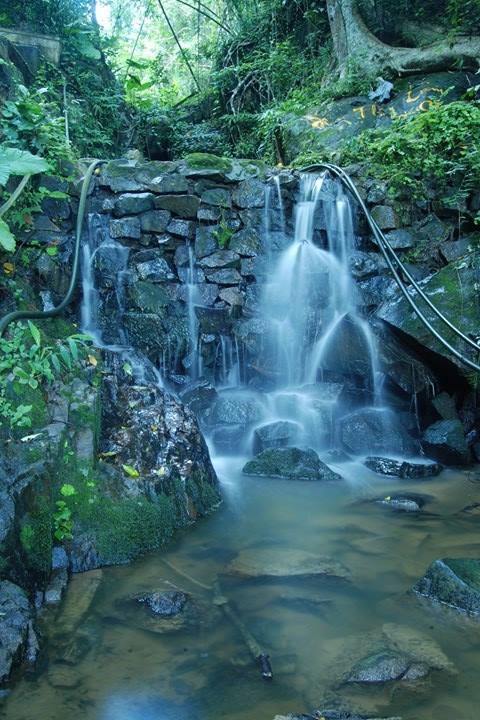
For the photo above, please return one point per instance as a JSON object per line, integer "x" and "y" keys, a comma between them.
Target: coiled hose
{"x": 39, "y": 314}
{"x": 391, "y": 257}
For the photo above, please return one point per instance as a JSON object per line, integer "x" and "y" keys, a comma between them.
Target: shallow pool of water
{"x": 310, "y": 627}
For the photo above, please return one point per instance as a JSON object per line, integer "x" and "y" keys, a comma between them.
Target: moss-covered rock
{"x": 454, "y": 582}
{"x": 454, "y": 291}
{"x": 290, "y": 463}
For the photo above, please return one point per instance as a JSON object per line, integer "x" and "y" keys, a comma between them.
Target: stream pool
{"x": 311, "y": 628}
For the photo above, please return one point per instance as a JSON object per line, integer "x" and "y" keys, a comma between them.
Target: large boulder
{"x": 454, "y": 582}
{"x": 290, "y": 463}
{"x": 445, "y": 441}
{"x": 17, "y": 636}
{"x": 156, "y": 474}
{"x": 373, "y": 430}
{"x": 453, "y": 290}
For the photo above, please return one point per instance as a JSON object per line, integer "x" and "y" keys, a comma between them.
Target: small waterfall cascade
{"x": 105, "y": 276}
{"x": 310, "y": 291}
{"x": 314, "y": 335}
{"x": 193, "y": 301}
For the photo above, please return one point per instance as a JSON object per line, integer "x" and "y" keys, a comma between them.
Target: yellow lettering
{"x": 360, "y": 110}
{"x": 374, "y": 110}
{"x": 425, "y": 105}
{"x": 320, "y": 123}
{"x": 411, "y": 99}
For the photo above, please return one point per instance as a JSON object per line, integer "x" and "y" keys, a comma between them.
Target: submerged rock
{"x": 445, "y": 441}
{"x": 402, "y": 468}
{"x": 284, "y": 562}
{"x": 164, "y": 604}
{"x": 401, "y": 503}
{"x": 387, "y": 666}
{"x": 291, "y": 464}
{"x": 332, "y": 714}
{"x": 166, "y": 611}
{"x": 454, "y": 582}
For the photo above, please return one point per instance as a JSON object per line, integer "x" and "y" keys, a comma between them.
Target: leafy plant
{"x": 63, "y": 516}
{"x": 15, "y": 162}
{"x": 429, "y": 150}
{"x": 25, "y": 360}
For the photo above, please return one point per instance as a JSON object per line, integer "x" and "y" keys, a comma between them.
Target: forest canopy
{"x": 170, "y": 77}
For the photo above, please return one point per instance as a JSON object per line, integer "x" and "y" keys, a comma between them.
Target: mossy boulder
{"x": 207, "y": 165}
{"x": 454, "y": 582}
{"x": 454, "y": 291}
{"x": 290, "y": 463}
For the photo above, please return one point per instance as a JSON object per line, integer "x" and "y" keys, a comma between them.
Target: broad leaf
{"x": 7, "y": 241}
{"x": 35, "y": 333}
{"x": 19, "y": 162}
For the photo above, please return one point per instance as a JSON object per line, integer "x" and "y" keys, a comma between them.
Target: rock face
{"x": 284, "y": 562}
{"x": 368, "y": 430}
{"x": 452, "y": 290}
{"x": 16, "y": 631}
{"x": 445, "y": 441}
{"x": 290, "y": 464}
{"x": 454, "y": 582}
{"x": 158, "y": 468}
{"x": 403, "y": 469}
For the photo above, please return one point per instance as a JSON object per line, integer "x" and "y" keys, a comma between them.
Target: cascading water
{"x": 308, "y": 309}
{"x": 105, "y": 275}
{"x": 192, "y": 302}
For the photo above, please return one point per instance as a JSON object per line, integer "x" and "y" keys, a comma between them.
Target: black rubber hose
{"x": 39, "y": 314}
{"x": 385, "y": 247}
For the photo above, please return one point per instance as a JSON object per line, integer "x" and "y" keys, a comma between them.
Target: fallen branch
{"x": 258, "y": 654}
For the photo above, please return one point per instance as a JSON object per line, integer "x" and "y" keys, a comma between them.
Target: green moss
{"x": 467, "y": 570}
{"x": 203, "y": 495}
{"x": 203, "y": 161}
{"x": 36, "y": 537}
{"x": 128, "y": 528}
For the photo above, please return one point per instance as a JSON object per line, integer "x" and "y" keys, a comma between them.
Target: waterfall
{"x": 192, "y": 301}
{"x": 104, "y": 277}
{"x": 308, "y": 306}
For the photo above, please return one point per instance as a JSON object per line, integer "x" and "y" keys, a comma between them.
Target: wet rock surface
{"x": 166, "y": 611}
{"x": 290, "y": 464}
{"x": 274, "y": 435}
{"x": 402, "y": 503}
{"x": 369, "y": 429}
{"x": 445, "y": 441}
{"x": 15, "y": 628}
{"x": 284, "y": 562}
{"x": 403, "y": 468}
{"x": 454, "y": 582}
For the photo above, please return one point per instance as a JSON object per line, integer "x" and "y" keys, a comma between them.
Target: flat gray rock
{"x": 284, "y": 563}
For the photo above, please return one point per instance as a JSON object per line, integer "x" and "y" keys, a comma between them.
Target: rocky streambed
{"x": 361, "y": 610}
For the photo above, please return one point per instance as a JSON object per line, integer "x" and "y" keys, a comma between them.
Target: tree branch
{"x": 182, "y": 51}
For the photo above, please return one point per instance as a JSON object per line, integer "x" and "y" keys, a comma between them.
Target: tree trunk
{"x": 353, "y": 41}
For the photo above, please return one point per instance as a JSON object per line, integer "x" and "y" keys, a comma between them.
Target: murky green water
{"x": 124, "y": 672}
